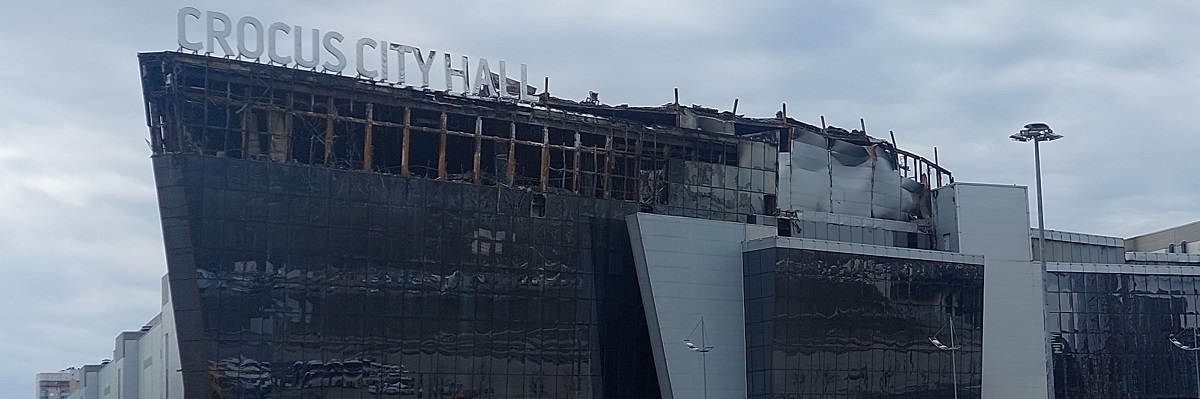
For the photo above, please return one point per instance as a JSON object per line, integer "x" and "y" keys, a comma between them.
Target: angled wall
{"x": 692, "y": 268}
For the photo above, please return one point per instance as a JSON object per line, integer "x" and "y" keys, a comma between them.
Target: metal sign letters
{"x": 250, "y": 38}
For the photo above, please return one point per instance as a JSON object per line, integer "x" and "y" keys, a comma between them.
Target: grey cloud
{"x": 83, "y": 247}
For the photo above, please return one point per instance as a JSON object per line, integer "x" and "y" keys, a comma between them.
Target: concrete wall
{"x": 89, "y": 387}
{"x": 119, "y": 378}
{"x": 158, "y": 365}
{"x": 692, "y": 268}
{"x": 110, "y": 380}
{"x": 993, "y": 221}
{"x": 1160, "y": 240}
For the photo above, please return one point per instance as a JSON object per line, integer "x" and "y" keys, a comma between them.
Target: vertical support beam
{"x": 198, "y": 136}
{"x": 249, "y": 126}
{"x": 545, "y": 175}
{"x": 608, "y": 160}
{"x": 575, "y": 166}
{"x": 404, "y": 147}
{"x": 510, "y": 167}
{"x": 442, "y": 148}
{"x": 477, "y": 172}
{"x": 666, "y": 159}
{"x": 244, "y": 121}
{"x": 311, "y": 134}
{"x": 637, "y": 167}
{"x": 330, "y": 112}
{"x": 280, "y": 128}
{"x": 368, "y": 149}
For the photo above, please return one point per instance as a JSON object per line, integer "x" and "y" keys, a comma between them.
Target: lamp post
{"x": 703, "y": 348}
{"x": 952, "y": 348}
{"x": 1037, "y": 133}
{"x": 1194, "y": 347}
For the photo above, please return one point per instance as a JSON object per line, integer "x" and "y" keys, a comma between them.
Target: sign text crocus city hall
{"x": 285, "y": 44}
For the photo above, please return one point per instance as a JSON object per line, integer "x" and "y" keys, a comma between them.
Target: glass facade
{"x": 332, "y": 237}
{"x": 1110, "y": 334}
{"x": 298, "y": 281}
{"x": 834, "y": 325}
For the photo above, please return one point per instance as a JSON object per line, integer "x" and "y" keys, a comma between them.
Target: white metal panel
{"x": 691, "y": 268}
{"x": 993, "y": 221}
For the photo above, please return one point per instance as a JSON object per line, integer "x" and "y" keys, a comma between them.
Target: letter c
{"x": 271, "y": 52}
{"x": 181, "y": 20}
{"x": 358, "y": 57}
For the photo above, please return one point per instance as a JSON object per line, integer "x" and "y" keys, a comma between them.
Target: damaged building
{"x": 330, "y": 237}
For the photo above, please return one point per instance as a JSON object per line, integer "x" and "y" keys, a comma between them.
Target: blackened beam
{"x": 368, "y": 132}
{"x": 679, "y": 137}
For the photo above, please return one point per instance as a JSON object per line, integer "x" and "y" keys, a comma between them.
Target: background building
{"x": 145, "y": 364}
{"x": 1180, "y": 239}
{"x": 56, "y": 385}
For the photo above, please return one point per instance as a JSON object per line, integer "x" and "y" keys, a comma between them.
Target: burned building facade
{"x": 333, "y": 237}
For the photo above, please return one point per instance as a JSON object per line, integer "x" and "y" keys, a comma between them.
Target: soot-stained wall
{"x": 302, "y": 281}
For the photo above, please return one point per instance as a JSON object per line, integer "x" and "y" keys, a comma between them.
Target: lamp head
{"x": 1037, "y": 132}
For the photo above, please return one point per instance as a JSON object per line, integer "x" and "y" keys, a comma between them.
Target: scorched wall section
{"x": 300, "y": 281}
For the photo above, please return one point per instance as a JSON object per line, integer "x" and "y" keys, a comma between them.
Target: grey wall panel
{"x": 993, "y": 221}
{"x": 809, "y": 181}
{"x": 831, "y": 175}
{"x": 688, "y": 269}
{"x": 945, "y": 219}
{"x": 656, "y": 345}
{"x": 886, "y": 202}
{"x": 851, "y": 170}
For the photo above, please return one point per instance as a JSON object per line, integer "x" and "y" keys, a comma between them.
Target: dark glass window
{"x": 1110, "y": 340}
{"x": 849, "y": 326}
{"x": 332, "y": 302}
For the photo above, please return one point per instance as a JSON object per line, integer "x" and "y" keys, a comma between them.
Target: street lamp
{"x": 1039, "y": 132}
{"x": 1194, "y": 347}
{"x": 952, "y": 348}
{"x": 703, "y": 348}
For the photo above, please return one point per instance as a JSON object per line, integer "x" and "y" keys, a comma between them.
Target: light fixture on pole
{"x": 1039, "y": 132}
{"x": 703, "y": 348}
{"x": 1194, "y": 347}
{"x": 952, "y": 348}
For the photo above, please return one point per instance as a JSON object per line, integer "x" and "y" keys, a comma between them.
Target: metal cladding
{"x": 832, "y": 175}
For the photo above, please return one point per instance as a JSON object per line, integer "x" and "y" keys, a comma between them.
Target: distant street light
{"x": 703, "y": 348}
{"x": 1194, "y": 347}
{"x": 1039, "y": 132}
{"x": 953, "y": 352}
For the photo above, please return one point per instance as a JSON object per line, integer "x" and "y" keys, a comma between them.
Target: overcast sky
{"x": 79, "y": 229}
